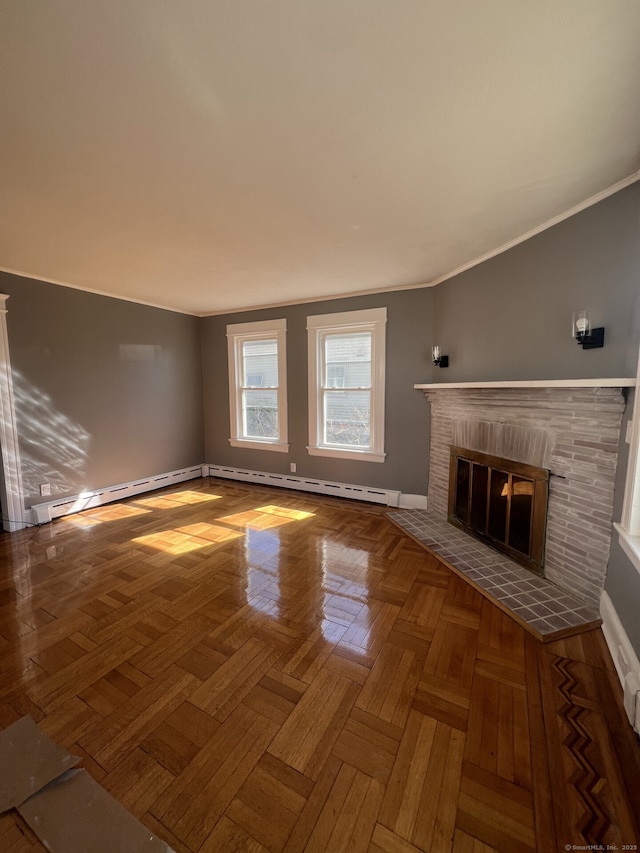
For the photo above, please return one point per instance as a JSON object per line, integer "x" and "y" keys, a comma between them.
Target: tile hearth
{"x": 543, "y": 608}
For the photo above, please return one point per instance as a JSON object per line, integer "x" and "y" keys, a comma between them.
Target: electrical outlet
{"x": 293, "y": 467}
{"x": 45, "y": 489}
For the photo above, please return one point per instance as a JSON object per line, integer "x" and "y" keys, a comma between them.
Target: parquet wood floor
{"x": 256, "y": 670}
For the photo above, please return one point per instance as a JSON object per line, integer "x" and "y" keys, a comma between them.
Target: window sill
{"x": 630, "y": 545}
{"x": 344, "y": 453}
{"x": 251, "y": 444}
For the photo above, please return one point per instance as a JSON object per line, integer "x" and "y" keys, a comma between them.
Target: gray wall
{"x": 409, "y": 322}
{"x": 623, "y": 579}
{"x": 107, "y": 391}
{"x": 510, "y": 317}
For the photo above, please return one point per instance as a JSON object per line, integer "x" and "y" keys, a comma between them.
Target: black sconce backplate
{"x": 595, "y": 340}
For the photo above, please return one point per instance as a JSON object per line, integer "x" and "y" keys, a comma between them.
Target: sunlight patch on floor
{"x": 113, "y": 512}
{"x": 183, "y": 540}
{"x": 210, "y": 532}
{"x": 265, "y": 517}
{"x": 285, "y": 512}
{"x": 177, "y": 499}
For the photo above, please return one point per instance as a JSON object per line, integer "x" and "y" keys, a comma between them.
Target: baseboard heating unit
{"x": 308, "y": 484}
{"x": 44, "y": 512}
{"x": 624, "y": 659}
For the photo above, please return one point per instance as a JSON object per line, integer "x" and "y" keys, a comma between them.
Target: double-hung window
{"x": 347, "y": 384}
{"x": 258, "y": 385}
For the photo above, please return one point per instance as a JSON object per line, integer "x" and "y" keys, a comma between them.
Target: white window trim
{"x": 373, "y": 320}
{"x": 629, "y": 527}
{"x": 237, "y": 333}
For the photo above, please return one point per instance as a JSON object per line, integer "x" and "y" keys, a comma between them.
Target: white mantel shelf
{"x": 532, "y": 383}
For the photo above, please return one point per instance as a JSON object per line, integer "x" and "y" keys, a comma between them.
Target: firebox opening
{"x": 502, "y": 502}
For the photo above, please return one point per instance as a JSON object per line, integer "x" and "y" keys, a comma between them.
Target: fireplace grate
{"x": 502, "y": 502}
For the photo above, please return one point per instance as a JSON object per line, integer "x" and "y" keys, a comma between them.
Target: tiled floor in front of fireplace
{"x": 544, "y": 609}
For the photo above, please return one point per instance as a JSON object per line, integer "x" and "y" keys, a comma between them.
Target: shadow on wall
{"x": 53, "y": 448}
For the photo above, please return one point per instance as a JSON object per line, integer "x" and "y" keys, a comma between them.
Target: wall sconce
{"x": 585, "y": 336}
{"x": 437, "y": 358}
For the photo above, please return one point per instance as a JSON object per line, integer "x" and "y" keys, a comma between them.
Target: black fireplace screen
{"x": 502, "y": 502}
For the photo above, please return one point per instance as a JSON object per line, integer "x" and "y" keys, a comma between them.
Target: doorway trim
{"x": 11, "y": 480}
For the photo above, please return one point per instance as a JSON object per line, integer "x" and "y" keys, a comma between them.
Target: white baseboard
{"x": 44, "y": 512}
{"x": 624, "y": 658}
{"x": 387, "y": 497}
{"x": 41, "y": 513}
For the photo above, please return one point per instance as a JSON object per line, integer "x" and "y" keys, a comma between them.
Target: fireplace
{"x": 571, "y": 432}
{"x": 501, "y": 502}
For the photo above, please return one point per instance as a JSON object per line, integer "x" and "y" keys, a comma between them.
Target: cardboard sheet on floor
{"x": 75, "y": 814}
{"x": 29, "y": 760}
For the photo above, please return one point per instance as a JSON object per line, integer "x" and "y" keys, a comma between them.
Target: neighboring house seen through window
{"x": 258, "y": 385}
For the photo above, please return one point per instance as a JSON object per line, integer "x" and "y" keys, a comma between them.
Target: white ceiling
{"x": 209, "y": 155}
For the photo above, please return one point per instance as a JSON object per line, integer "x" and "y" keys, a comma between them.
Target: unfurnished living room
{"x": 320, "y": 473}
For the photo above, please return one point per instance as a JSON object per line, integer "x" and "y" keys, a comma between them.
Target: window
{"x": 346, "y": 384}
{"x": 629, "y": 527}
{"x": 258, "y": 385}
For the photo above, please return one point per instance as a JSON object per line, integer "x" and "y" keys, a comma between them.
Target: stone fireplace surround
{"x": 571, "y": 428}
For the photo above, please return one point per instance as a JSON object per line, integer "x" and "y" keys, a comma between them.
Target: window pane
{"x": 347, "y": 418}
{"x": 336, "y": 376}
{"x": 260, "y": 414}
{"x": 260, "y": 363}
{"x": 348, "y": 360}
